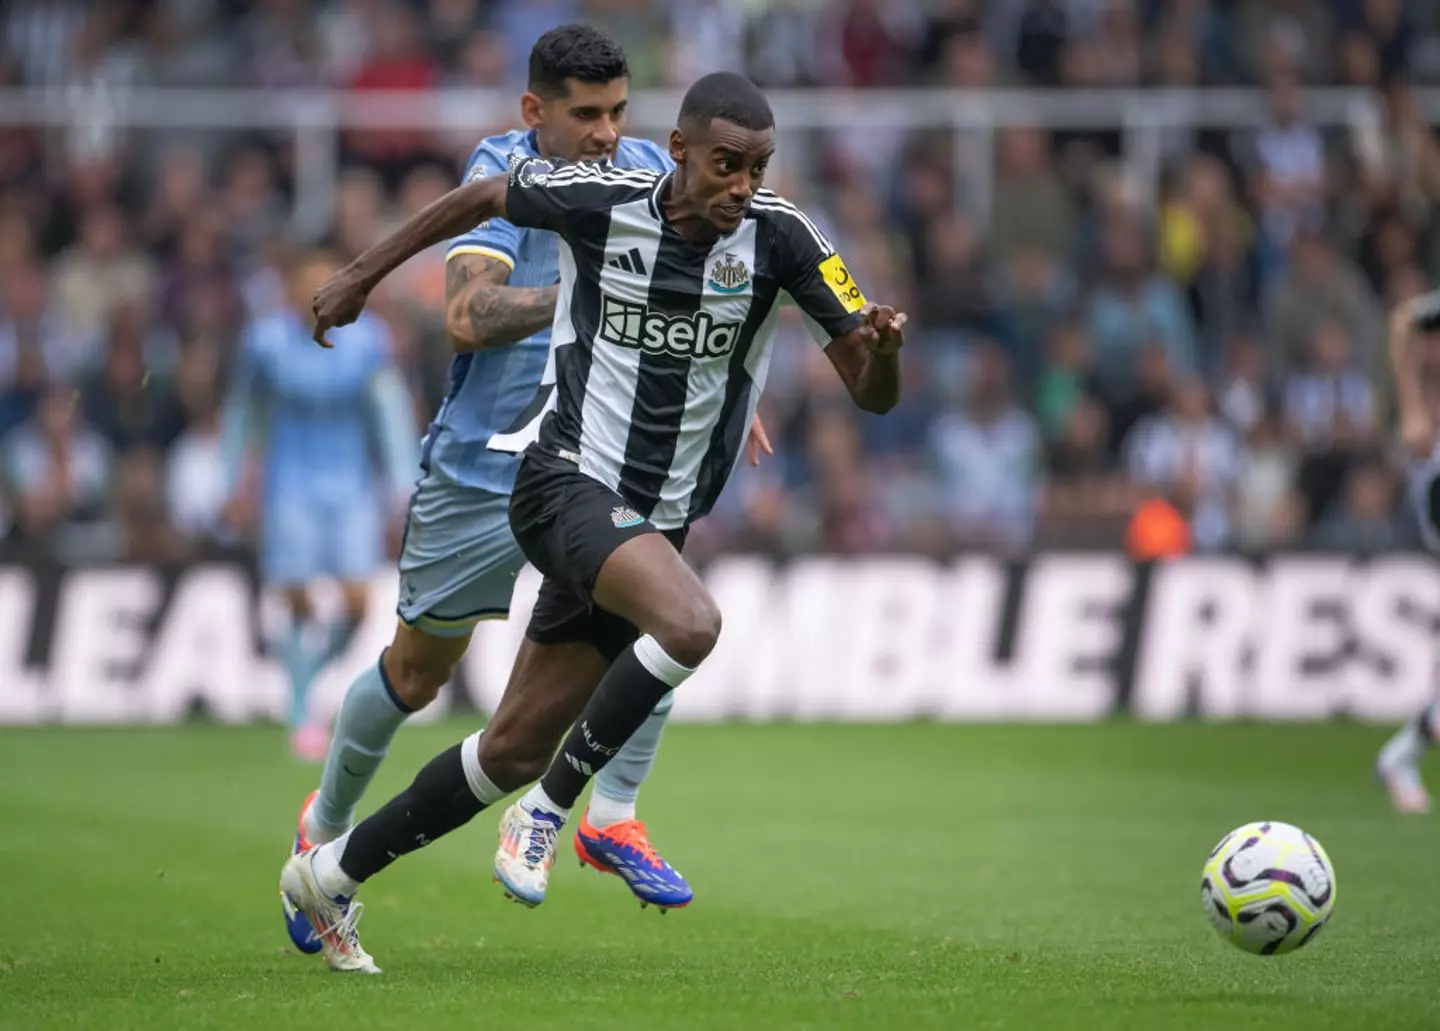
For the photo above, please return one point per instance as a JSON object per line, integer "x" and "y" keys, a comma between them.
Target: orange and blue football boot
{"x": 624, "y": 850}
{"x": 297, "y": 924}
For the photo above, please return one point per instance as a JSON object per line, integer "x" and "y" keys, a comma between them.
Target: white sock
{"x": 607, "y": 812}
{"x": 536, "y": 798}
{"x": 328, "y": 874}
{"x": 481, "y": 786}
{"x": 315, "y": 832}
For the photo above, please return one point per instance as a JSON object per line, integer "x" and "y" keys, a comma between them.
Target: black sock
{"x": 623, "y": 700}
{"x": 437, "y": 801}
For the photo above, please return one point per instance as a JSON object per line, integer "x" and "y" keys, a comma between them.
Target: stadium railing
{"x": 315, "y": 118}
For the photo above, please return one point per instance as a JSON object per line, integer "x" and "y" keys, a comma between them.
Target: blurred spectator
{"x": 954, "y": 289}
{"x": 21, "y": 388}
{"x": 102, "y": 272}
{"x": 451, "y": 29}
{"x": 1065, "y": 379}
{"x": 179, "y": 194}
{"x": 30, "y": 325}
{"x": 250, "y": 200}
{"x": 1359, "y": 60}
{"x": 1286, "y": 162}
{"x": 345, "y": 37}
{"x": 1330, "y": 400}
{"x": 1032, "y": 208}
{"x": 1268, "y": 512}
{"x": 870, "y": 45}
{"x": 282, "y": 44}
{"x": 481, "y": 64}
{"x": 41, "y": 36}
{"x": 986, "y": 457}
{"x": 1131, "y": 307}
{"x": 396, "y": 62}
{"x": 125, "y": 404}
{"x": 1192, "y": 457}
{"x": 1321, "y": 286}
{"x": 1399, "y": 157}
{"x": 1294, "y": 34}
{"x": 1391, "y": 24}
{"x": 195, "y": 491}
{"x": 1044, "y": 28}
{"x": 142, "y": 530}
{"x": 1086, "y": 498}
{"x": 56, "y": 471}
{"x": 1246, "y": 397}
{"x": 1363, "y": 523}
{"x": 1152, "y": 393}
{"x": 1205, "y": 238}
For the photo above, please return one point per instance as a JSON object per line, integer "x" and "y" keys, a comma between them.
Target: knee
{"x": 512, "y": 760}
{"x": 689, "y": 632}
{"x": 416, "y": 680}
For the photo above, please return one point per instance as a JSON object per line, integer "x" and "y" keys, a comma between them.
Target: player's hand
{"x": 883, "y": 331}
{"x": 758, "y": 443}
{"x": 338, "y": 302}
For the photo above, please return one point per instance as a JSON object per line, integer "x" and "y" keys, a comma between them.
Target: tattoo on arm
{"x": 481, "y": 311}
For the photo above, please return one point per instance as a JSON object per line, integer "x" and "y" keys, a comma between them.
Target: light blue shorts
{"x": 459, "y": 560}
{"x": 308, "y": 538}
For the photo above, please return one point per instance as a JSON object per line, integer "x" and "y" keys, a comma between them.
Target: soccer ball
{"x": 1268, "y": 888}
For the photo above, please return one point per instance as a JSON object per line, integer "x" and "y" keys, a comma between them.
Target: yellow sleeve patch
{"x": 842, "y": 284}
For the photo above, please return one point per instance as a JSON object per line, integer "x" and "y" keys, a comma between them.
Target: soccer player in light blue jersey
{"x": 337, "y": 437}
{"x": 459, "y": 560}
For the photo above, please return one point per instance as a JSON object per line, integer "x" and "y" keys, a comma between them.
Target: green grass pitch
{"x": 846, "y": 877}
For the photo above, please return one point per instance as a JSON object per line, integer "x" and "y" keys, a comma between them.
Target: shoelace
{"x": 541, "y": 849}
{"x": 635, "y": 836}
{"x": 345, "y": 931}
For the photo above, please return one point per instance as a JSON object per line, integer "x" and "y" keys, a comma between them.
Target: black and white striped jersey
{"x": 661, "y": 345}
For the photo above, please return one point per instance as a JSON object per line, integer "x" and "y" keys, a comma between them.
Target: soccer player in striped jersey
{"x": 1415, "y": 364}
{"x": 668, "y": 295}
{"x": 321, "y": 514}
{"x": 459, "y": 559}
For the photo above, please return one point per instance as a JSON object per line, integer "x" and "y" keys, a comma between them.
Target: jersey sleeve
{"x": 813, "y": 274}
{"x": 498, "y": 238}
{"x": 555, "y": 195}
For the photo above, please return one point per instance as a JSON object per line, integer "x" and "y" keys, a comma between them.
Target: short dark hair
{"x": 574, "y": 52}
{"x": 727, "y": 96}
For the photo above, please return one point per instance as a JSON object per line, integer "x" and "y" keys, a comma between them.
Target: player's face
{"x": 724, "y": 166}
{"x": 584, "y": 125}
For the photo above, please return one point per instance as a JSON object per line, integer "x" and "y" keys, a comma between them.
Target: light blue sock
{"x": 369, "y": 718}
{"x": 617, "y": 786}
{"x": 303, "y": 656}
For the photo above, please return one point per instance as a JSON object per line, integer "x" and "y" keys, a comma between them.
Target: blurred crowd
{"x": 1088, "y": 364}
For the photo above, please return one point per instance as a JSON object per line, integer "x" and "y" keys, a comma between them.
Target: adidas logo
{"x": 629, "y": 262}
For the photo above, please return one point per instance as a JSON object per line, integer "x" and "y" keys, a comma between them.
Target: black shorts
{"x": 567, "y": 525}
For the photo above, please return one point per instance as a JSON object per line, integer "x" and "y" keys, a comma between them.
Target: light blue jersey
{"x": 338, "y": 445}
{"x": 491, "y": 390}
{"x": 460, "y": 560}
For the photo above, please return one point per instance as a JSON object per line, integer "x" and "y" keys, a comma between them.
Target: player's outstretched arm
{"x": 1407, "y": 321}
{"x": 341, "y": 299}
{"x": 868, "y": 358}
{"x": 481, "y": 311}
